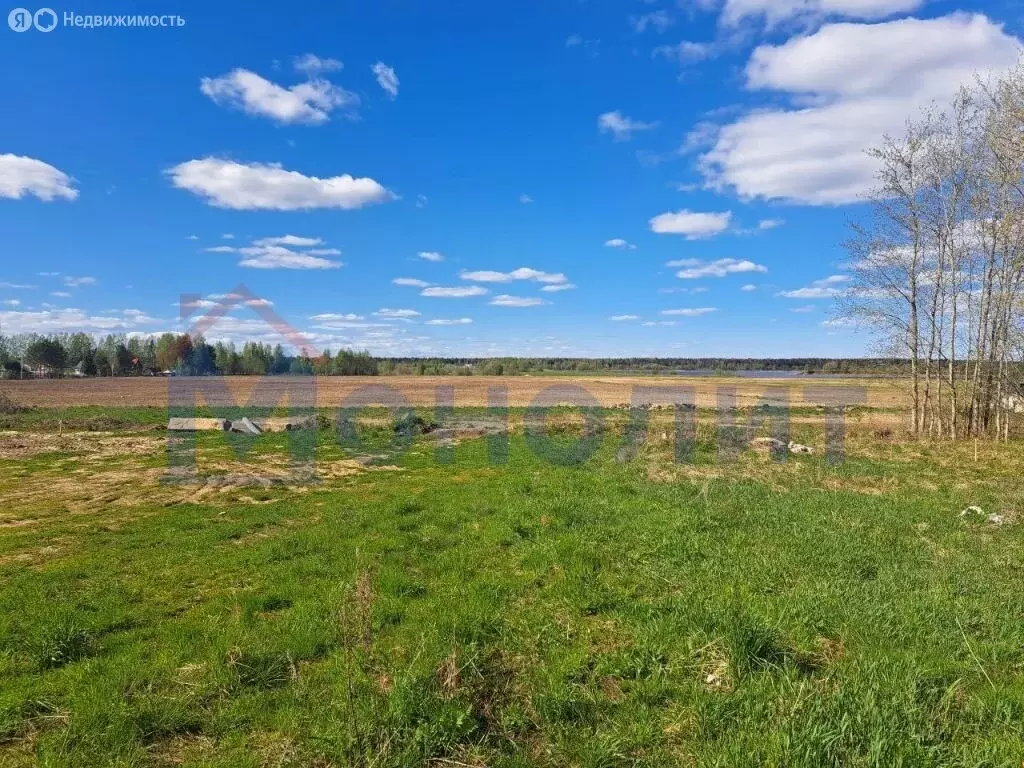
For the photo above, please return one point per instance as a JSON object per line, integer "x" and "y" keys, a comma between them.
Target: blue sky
{"x": 594, "y": 179}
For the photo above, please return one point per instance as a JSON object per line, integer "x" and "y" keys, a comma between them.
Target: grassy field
{"x": 403, "y": 610}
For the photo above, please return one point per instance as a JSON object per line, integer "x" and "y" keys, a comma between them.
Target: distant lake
{"x": 780, "y": 374}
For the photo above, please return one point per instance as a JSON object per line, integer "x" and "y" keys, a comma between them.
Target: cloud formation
{"x": 259, "y": 186}
{"x": 311, "y": 102}
{"x": 21, "y": 176}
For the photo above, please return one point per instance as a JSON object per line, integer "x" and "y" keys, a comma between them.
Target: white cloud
{"x": 624, "y": 318}
{"x": 430, "y": 256}
{"x": 77, "y": 282}
{"x": 558, "y": 288}
{"x": 73, "y": 320}
{"x": 20, "y": 176}
{"x": 457, "y": 292}
{"x": 324, "y": 252}
{"x": 192, "y": 237}
{"x": 17, "y": 286}
{"x": 525, "y": 199}
{"x": 659, "y": 20}
{"x": 258, "y": 186}
{"x": 697, "y": 312}
{"x": 293, "y": 241}
{"x": 693, "y": 225}
{"x": 386, "y": 78}
{"x": 620, "y": 126}
{"x": 332, "y": 317}
{"x": 227, "y": 236}
{"x": 278, "y": 257}
{"x": 695, "y": 269}
{"x": 523, "y": 273}
{"x": 748, "y": 287}
{"x": 310, "y": 64}
{"x": 803, "y": 310}
{"x": 686, "y": 52}
{"x": 651, "y": 323}
{"x": 776, "y": 11}
{"x": 311, "y": 102}
{"x": 849, "y": 84}
{"x": 618, "y": 242}
{"x": 504, "y": 300}
{"x": 456, "y": 321}
{"x": 411, "y": 282}
{"x": 770, "y": 223}
{"x": 221, "y": 249}
{"x": 825, "y": 288}
{"x": 60, "y": 294}
{"x": 12, "y": 302}
{"x": 402, "y": 314}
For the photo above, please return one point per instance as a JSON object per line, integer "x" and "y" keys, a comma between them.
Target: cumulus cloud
{"x": 694, "y": 312}
{"x": 621, "y": 127}
{"x": 456, "y": 292}
{"x": 278, "y": 257}
{"x": 775, "y": 11}
{"x": 691, "y": 224}
{"x": 401, "y": 314}
{"x": 17, "y": 286}
{"x": 310, "y": 64}
{"x": 624, "y": 318}
{"x": 748, "y": 287}
{"x": 293, "y": 241}
{"x": 695, "y": 269}
{"x": 659, "y": 20}
{"x": 769, "y": 223}
{"x": 20, "y": 176}
{"x": 73, "y": 320}
{"x": 558, "y": 288}
{"x": 412, "y": 282}
{"x": 259, "y": 186}
{"x": 826, "y": 288}
{"x": 618, "y": 242}
{"x": 455, "y": 321}
{"x": 525, "y": 199}
{"x": 849, "y": 84}
{"x": 78, "y": 282}
{"x": 523, "y": 273}
{"x": 311, "y": 102}
{"x": 430, "y": 256}
{"x": 386, "y": 78}
{"x": 333, "y": 317}
{"x": 504, "y": 300}
{"x": 686, "y": 51}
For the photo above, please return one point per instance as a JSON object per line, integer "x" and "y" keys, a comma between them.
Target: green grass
{"x": 520, "y": 615}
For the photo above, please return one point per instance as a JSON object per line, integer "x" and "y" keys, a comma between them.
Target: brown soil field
{"x": 470, "y": 391}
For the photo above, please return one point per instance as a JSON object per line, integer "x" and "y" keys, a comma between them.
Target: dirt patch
{"x": 95, "y": 445}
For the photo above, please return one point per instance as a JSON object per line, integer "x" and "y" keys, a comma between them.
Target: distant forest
{"x": 80, "y": 354}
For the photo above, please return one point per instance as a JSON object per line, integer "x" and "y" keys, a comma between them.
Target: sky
{"x": 538, "y": 178}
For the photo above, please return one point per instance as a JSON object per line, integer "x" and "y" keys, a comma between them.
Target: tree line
{"x": 937, "y": 265}
{"x": 81, "y": 354}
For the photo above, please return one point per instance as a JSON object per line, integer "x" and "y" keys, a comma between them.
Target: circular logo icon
{"x": 45, "y": 19}
{"x": 20, "y": 19}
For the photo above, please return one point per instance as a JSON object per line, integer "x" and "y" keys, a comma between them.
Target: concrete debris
{"x": 198, "y": 425}
{"x": 797, "y": 448}
{"x": 768, "y": 444}
{"x": 972, "y": 510}
{"x": 996, "y": 519}
{"x": 246, "y": 427}
{"x": 281, "y": 424}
